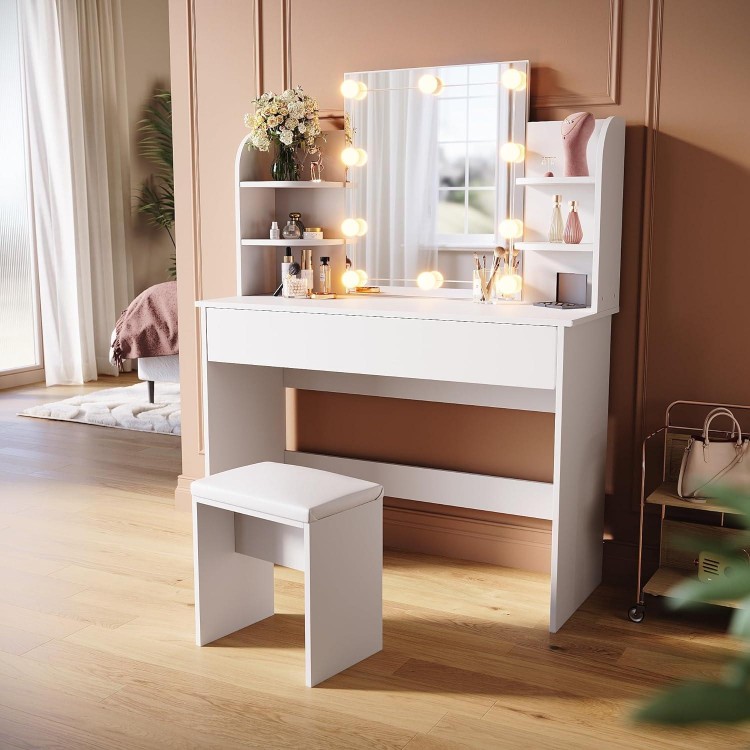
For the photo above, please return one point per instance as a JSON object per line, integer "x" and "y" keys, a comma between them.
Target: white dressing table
{"x": 514, "y": 356}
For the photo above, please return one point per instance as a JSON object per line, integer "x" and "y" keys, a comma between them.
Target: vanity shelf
{"x": 295, "y": 184}
{"x": 538, "y": 181}
{"x": 556, "y": 247}
{"x": 292, "y": 243}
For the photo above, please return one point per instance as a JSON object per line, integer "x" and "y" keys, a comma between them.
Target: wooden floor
{"x": 96, "y": 631}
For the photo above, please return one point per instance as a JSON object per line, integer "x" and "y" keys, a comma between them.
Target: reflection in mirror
{"x": 433, "y": 187}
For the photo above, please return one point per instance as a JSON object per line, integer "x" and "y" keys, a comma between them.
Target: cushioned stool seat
{"x": 328, "y": 525}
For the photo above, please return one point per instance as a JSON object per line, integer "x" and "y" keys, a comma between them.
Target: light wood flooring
{"x": 96, "y": 631}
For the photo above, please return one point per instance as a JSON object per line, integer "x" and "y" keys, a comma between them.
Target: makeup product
{"x": 313, "y": 233}
{"x": 556, "y": 224}
{"x": 275, "y": 233}
{"x": 367, "y": 290}
{"x": 325, "y": 275}
{"x": 319, "y": 295}
{"x": 572, "y": 292}
{"x": 307, "y": 268}
{"x": 285, "y": 271}
{"x": 573, "y": 233}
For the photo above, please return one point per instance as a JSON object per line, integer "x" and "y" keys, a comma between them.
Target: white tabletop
{"x": 427, "y": 308}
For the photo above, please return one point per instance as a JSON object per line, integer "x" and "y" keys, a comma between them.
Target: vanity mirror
{"x": 432, "y": 158}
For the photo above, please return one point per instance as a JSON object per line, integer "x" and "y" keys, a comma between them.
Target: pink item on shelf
{"x": 576, "y": 131}
{"x": 573, "y": 232}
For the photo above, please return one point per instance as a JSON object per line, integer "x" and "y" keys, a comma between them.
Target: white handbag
{"x": 712, "y": 464}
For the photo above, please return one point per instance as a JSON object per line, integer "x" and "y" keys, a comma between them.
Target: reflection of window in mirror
{"x": 467, "y": 155}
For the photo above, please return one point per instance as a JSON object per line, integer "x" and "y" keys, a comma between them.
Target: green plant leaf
{"x": 731, "y": 588}
{"x": 740, "y": 625}
{"x": 695, "y": 702}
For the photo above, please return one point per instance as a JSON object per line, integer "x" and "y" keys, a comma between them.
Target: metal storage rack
{"x": 675, "y": 563}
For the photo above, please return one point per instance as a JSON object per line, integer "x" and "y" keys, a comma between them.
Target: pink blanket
{"x": 148, "y": 328}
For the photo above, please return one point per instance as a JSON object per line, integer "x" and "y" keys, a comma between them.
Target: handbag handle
{"x": 721, "y": 412}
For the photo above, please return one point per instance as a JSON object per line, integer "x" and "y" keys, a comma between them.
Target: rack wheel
{"x": 636, "y": 613}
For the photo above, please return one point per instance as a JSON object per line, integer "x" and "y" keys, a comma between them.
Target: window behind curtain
{"x": 19, "y": 340}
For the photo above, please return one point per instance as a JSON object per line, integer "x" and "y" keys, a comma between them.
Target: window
{"x": 19, "y": 335}
{"x": 467, "y": 156}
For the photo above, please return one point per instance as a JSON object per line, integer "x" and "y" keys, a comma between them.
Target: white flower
{"x": 301, "y": 128}
{"x": 286, "y": 137}
{"x": 290, "y": 123}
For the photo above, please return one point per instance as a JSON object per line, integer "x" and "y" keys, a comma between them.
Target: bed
{"x": 148, "y": 331}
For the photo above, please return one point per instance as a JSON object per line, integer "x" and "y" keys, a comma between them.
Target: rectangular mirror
{"x": 427, "y": 169}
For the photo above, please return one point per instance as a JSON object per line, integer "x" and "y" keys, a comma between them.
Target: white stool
{"x": 328, "y": 525}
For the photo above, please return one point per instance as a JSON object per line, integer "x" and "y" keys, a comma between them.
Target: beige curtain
{"x": 77, "y": 142}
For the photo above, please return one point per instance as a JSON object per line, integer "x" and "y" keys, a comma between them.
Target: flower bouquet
{"x": 290, "y": 122}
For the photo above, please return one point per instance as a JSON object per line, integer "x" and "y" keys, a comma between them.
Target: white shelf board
{"x": 555, "y": 247}
{"x": 555, "y": 181}
{"x": 290, "y": 184}
{"x": 292, "y": 243}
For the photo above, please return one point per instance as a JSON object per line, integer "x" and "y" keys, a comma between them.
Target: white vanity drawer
{"x": 462, "y": 352}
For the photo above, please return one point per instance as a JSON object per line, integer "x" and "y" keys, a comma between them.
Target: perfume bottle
{"x": 296, "y": 217}
{"x": 274, "y": 233}
{"x": 291, "y": 231}
{"x": 556, "y": 224}
{"x": 325, "y": 275}
{"x": 573, "y": 233}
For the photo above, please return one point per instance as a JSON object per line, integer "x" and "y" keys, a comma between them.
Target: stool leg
{"x": 343, "y": 590}
{"x": 232, "y": 590}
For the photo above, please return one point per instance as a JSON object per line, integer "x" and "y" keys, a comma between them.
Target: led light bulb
{"x": 361, "y": 157}
{"x": 363, "y": 278}
{"x": 361, "y": 91}
{"x": 349, "y": 88}
{"x": 350, "y": 156}
{"x": 350, "y": 279}
{"x": 512, "y": 152}
{"x": 506, "y": 285}
{"x": 429, "y": 84}
{"x": 426, "y": 281}
{"x": 439, "y": 279}
{"x": 513, "y": 79}
{"x": 361, "y": 227}
{"x": 350, "y": 227}
{"x": 511, "y": 229}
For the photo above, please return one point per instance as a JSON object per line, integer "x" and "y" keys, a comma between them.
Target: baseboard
{"x": 493, "y": 538}
{"x": 183, "y": 500}
{"x": 22, "y": 377}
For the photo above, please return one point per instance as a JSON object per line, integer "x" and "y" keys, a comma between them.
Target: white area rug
{"x": 125, "y": 408}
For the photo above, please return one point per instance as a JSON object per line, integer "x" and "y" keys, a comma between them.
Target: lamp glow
{"x": 361, "y": 227}
{"x": 511, "y": 229}
{"x": 362, "y": 276}
{"x": 350, "y": 227}
{"x": 509, "y": 284}
{"x": 350, "y": 156}
{"x": 512, "y": 152}
{"x": 426, "y": 281}
{"x": 429, "y": 84}
{"x": 350, "y": 279}
{"x": 439, "y": 279}
{"x": 351, "y": 89}
{"x": 513, "y": 79}
{"x": 362, "y": 157}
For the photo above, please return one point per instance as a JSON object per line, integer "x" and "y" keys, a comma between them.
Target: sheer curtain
{"x": 398, "y": 198}
{"x": 77, "y": 142}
